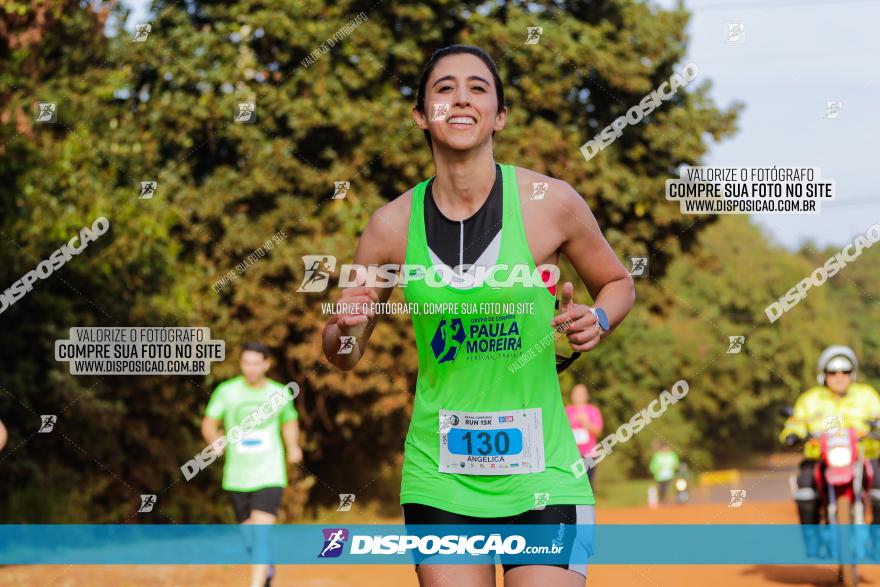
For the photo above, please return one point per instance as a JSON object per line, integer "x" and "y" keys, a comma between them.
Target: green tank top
{"x": 473, "y": 361}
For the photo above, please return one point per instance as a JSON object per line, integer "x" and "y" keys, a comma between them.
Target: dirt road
{"x": 751, "y": 512}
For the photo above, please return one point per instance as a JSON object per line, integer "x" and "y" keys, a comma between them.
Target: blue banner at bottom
{"x": 399, "y": 544}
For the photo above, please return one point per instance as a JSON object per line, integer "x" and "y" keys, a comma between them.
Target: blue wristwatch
{"x": 601, "y": 318}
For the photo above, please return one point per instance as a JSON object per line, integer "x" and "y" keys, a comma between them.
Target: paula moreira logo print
{"x": 447, "y": 339}
{"x": 334, "y": 540}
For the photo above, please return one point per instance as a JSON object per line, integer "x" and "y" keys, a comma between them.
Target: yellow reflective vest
{"x": 819, "y": 409}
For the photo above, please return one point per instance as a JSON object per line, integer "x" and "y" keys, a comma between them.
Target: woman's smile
{"x": 461, "y": 122}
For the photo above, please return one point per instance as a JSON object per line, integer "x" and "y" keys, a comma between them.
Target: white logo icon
{"x": 539, "y": 190}
{"x": 47, "y": 423}
{"x": 735, "y": 32}
{"x": 246, "y": 113}
{"x": 439, "y": 112}
{"x": 341, "y": 188}
{"x": 736, "y": 344}
{"x": 346, "y": 345}
{"x": 318, "y": 270}
{"x": 534, "y": 35}
{"x": 638, "y": 266}
{"x": 141, "y": 32}
{"x": 832, "y": 109}
{"x": 148, "y": 190}
{"x": 46, "y": 112}
{"x": 737, "y": 496}
{"x": 147, "y": 503}
{"x": 833, "y": 424}
{"x": 346, "y": 500}
{"x": 541, "y": 500}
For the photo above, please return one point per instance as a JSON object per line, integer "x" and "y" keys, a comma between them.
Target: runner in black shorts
{"x": 568, "y": 517}
{"x": 244, "y": 503}
{"x": 254, "y": 472}
{"x": 489, "y": 442}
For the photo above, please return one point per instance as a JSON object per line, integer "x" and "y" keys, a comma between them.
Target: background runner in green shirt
{"x": 663, "y": 466}
{"x": 259, "y": 421}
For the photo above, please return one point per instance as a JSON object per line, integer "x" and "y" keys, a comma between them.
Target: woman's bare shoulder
{"x": 393, "y": 217}
{"x": 389, "y": 226}
{"x": 535, "y": 186}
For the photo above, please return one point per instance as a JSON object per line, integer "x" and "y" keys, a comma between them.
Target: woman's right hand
{"x": 356, "y": 304}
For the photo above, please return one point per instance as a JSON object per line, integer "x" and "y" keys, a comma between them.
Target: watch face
{"x": 602, "y": 319}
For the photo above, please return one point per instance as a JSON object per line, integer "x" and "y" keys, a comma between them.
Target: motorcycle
{"x": 842, "y": 472}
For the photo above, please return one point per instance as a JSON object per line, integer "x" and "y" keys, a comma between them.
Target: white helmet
{"x": 837, "y": 358}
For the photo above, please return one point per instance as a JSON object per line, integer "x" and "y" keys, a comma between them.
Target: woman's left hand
{"x": 581, "y": 325}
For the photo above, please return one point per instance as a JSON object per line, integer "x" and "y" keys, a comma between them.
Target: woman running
{"x": 489, "y": 441}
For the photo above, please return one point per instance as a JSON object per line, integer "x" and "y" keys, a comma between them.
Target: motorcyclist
{"x": 837, "y": 402}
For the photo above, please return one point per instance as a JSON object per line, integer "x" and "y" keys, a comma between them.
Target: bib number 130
{"x": 491, "y": 443}
{"x": 485, "y": 443}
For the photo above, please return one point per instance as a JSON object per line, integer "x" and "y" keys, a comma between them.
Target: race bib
{"x": 581, "y": 436}
{"x": 255, "y": 442}
{"x": 491, "y": 443}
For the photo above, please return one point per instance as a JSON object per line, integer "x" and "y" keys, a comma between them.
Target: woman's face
{"x": 579, "y": 395}
{"x": 461, "y": 107}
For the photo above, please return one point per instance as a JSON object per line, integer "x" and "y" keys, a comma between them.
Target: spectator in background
{"x": 663, "y": 466}
{"x": 586, "y": 423}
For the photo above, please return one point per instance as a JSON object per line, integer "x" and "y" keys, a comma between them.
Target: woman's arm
{"x": 595, "y": 427}
{"x": 608, "y": 282}
{"x": 374, "y": 248}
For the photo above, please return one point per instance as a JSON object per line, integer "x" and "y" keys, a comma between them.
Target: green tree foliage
{"x": 163, "y": 110}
